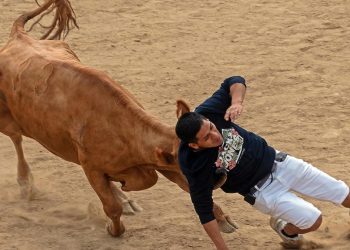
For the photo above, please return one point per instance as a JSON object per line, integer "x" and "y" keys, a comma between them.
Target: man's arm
{"x": 200, "y": 180}
{"x": 237, "y": 92}
{"x": 213, "y": 231}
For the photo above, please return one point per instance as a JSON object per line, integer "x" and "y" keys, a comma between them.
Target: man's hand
{"x": 237, "y": 92}
{"x": 233, "y": 112}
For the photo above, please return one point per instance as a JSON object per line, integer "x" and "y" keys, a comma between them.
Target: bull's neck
{"x": 148, "y": 132}
{"x": 155, "y": 134}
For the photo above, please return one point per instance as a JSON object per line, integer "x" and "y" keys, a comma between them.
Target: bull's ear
{"x": 182, "y": 108}
{"x": 164, "y": 158}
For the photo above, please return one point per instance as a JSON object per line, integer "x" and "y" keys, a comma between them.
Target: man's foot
{"x": 292, "y": 241}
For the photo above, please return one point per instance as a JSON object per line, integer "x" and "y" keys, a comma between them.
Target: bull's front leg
{"x": 111, "y": 205}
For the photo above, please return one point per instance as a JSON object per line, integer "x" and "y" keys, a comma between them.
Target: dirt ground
{"x": 295, "y": 57}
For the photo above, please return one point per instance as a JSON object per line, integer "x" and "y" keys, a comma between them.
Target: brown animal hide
{"x": 81, "y": 115}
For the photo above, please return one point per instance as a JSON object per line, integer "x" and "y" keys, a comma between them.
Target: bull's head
{"x": 169, "y": 157}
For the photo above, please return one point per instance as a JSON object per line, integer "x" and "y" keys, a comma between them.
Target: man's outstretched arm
{"x": 213, "y": 232}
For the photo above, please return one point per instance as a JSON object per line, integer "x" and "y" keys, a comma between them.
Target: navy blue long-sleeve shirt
{"x": 199, "y": 167}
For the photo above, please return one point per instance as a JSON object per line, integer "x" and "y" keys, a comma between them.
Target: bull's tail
{"x": 63, "y": 22}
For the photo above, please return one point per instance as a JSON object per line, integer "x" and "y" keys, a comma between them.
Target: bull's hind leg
{"x": 112, "y": 206}
{"x": 24, "y": 177}
{"x": 129, "y": 206}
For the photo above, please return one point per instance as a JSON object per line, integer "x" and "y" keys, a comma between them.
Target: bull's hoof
{"x": 115, "y": 232}
{"x": 127, "y": 208}
{"x": 135, "y": 206}
{"x": 227, "y": 225}
{"x": 130, "y": 207}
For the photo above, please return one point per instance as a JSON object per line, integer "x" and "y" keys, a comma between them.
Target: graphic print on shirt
{"x": 231, "y": 149}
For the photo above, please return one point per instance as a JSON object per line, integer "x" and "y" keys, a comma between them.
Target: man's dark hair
{"x": 188, "y": 126}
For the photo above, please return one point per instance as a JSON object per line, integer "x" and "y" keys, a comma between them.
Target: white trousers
{"x": 276, "y": 199}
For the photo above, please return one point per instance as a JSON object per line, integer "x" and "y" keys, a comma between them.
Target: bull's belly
{"x": 57, "y": 144}
{"x": 135, "y": 178}
{"x": 64, "y": 150}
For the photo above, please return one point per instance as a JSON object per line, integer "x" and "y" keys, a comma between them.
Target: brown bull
{"x": 82, "y": 116}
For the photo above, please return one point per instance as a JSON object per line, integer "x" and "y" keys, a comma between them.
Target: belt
{"x": 250, "y": 196}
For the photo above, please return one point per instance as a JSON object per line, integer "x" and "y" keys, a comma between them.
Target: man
{"x": 213, "y": 145}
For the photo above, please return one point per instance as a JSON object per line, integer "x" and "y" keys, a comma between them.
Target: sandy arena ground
{"x": 295, "y": 57}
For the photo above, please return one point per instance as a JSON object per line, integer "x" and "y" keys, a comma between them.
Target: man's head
{"x": 198, "y": 131}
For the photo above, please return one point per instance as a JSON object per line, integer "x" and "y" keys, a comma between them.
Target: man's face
{"x": 207, "y": 137}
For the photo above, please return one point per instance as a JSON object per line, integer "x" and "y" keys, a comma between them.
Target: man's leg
{"x": 346, "y": 202}
{"x": 304, "y": 178}
{"x": 291, "y": 215}
{"x": 291, "y": 230}
{"x": 294, "y": 237}
{"x": 308, "y": 180}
